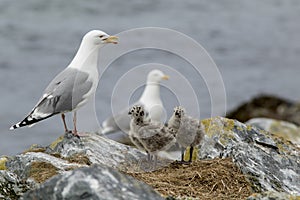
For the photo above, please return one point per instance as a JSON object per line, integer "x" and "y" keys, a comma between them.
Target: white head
{"x": 155, "y": 76}
{"x": 99, "y": 38}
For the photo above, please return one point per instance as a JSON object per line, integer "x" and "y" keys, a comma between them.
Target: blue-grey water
{"x": 255, "y": 44}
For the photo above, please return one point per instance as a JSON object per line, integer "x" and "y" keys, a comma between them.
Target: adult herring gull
{"x": 150, "y": 99}
{"x": 74, "y": 86}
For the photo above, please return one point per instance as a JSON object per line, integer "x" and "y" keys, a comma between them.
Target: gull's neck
{"x": 86, "y": 57}
{"x": 151, "y": 92}
{"x": 142, "y": 121}
{"x": 174, "y": 122}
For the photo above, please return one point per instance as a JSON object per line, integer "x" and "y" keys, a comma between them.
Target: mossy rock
{"x": 56, "y": 142}
{"x": 41, "y": 171}
{"x": 3, "y": 161}
{"x": 35, "y": 148}
{"x": 79, "y": 158}
{"x": 267, "y": 160}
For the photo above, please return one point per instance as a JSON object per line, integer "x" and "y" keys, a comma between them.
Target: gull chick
{"x": 151, "y": 136}
{"x": 137, "y": 121}
{"x": 74, "y": 86}
{"x": 150, "y": 99}
{"x": 189, "y": 131}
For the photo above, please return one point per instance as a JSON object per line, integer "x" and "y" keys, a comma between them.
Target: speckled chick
{"x": 152, "y": 136}
{"x": 189, "y": 131}
{"x": 137, "y": 121}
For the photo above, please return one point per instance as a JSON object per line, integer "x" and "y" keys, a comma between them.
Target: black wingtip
{"x": 27, "y": 121}
{"x": 13, "y": 127}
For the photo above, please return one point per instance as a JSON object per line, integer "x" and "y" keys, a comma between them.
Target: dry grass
{"x": 208, "y": 179}
{"x": 41, "y": 171}
{"x": 79, "y": 158}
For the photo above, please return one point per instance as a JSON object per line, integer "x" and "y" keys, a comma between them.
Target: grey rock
{"x": 38, "y": 164}
{"x": 22, "y": 164}
{"x": 99, "y": 150}
{"x": 267, "y": 106}
{"x": 11, "y": 186}
{"x": 279, "y": 128}
{"x": 94, "y": 183}
{"x": 96, "y": 150}
{"x": 272, "y": 196}
{"x": 270, "y": 163}
{"x": 263, "y": 106}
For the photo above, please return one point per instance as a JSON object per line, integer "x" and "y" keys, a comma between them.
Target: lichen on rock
{"x": 280, "y": 128}
{"x": 268, "y": 161}
{"x": 3, "y": 161}
{"x": 35, "y": 148}
{"x": 257, "y": 152}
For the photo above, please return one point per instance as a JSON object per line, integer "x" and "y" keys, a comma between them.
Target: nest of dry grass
{"x": 205, "y": 179}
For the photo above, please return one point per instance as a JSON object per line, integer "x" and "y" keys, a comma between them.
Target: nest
{"x": 205, "y": 179}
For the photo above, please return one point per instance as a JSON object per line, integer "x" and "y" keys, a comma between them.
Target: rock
{"x": 272, "y": 196}
{"x": 100, "y": 150}
{"x": 283, "y": 129}
{"x": 39, "y": 166}
{"x": 267, "y": 106}
{"x": 11, "y": 186}
{"x": 68, "y": 153}
{"x": 95, "y": 182}
{"x": 271, "y": 163}
{"x": 3, "y": 161}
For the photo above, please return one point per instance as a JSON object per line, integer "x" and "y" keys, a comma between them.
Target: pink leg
{"x": 74, "y": 122}
{"x": 75, "y": 132}
{"x": 64, "y": 121}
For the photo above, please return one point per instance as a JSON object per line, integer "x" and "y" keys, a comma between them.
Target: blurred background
{"x": 255, "y": 45}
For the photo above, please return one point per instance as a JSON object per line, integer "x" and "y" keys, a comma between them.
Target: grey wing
{"x": 118, "y": 122}
{"x": 65, "y": 92}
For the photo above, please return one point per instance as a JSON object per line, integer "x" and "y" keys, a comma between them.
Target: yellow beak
{"x": 165, "y": 77}
{"x": 112, "y": 39}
